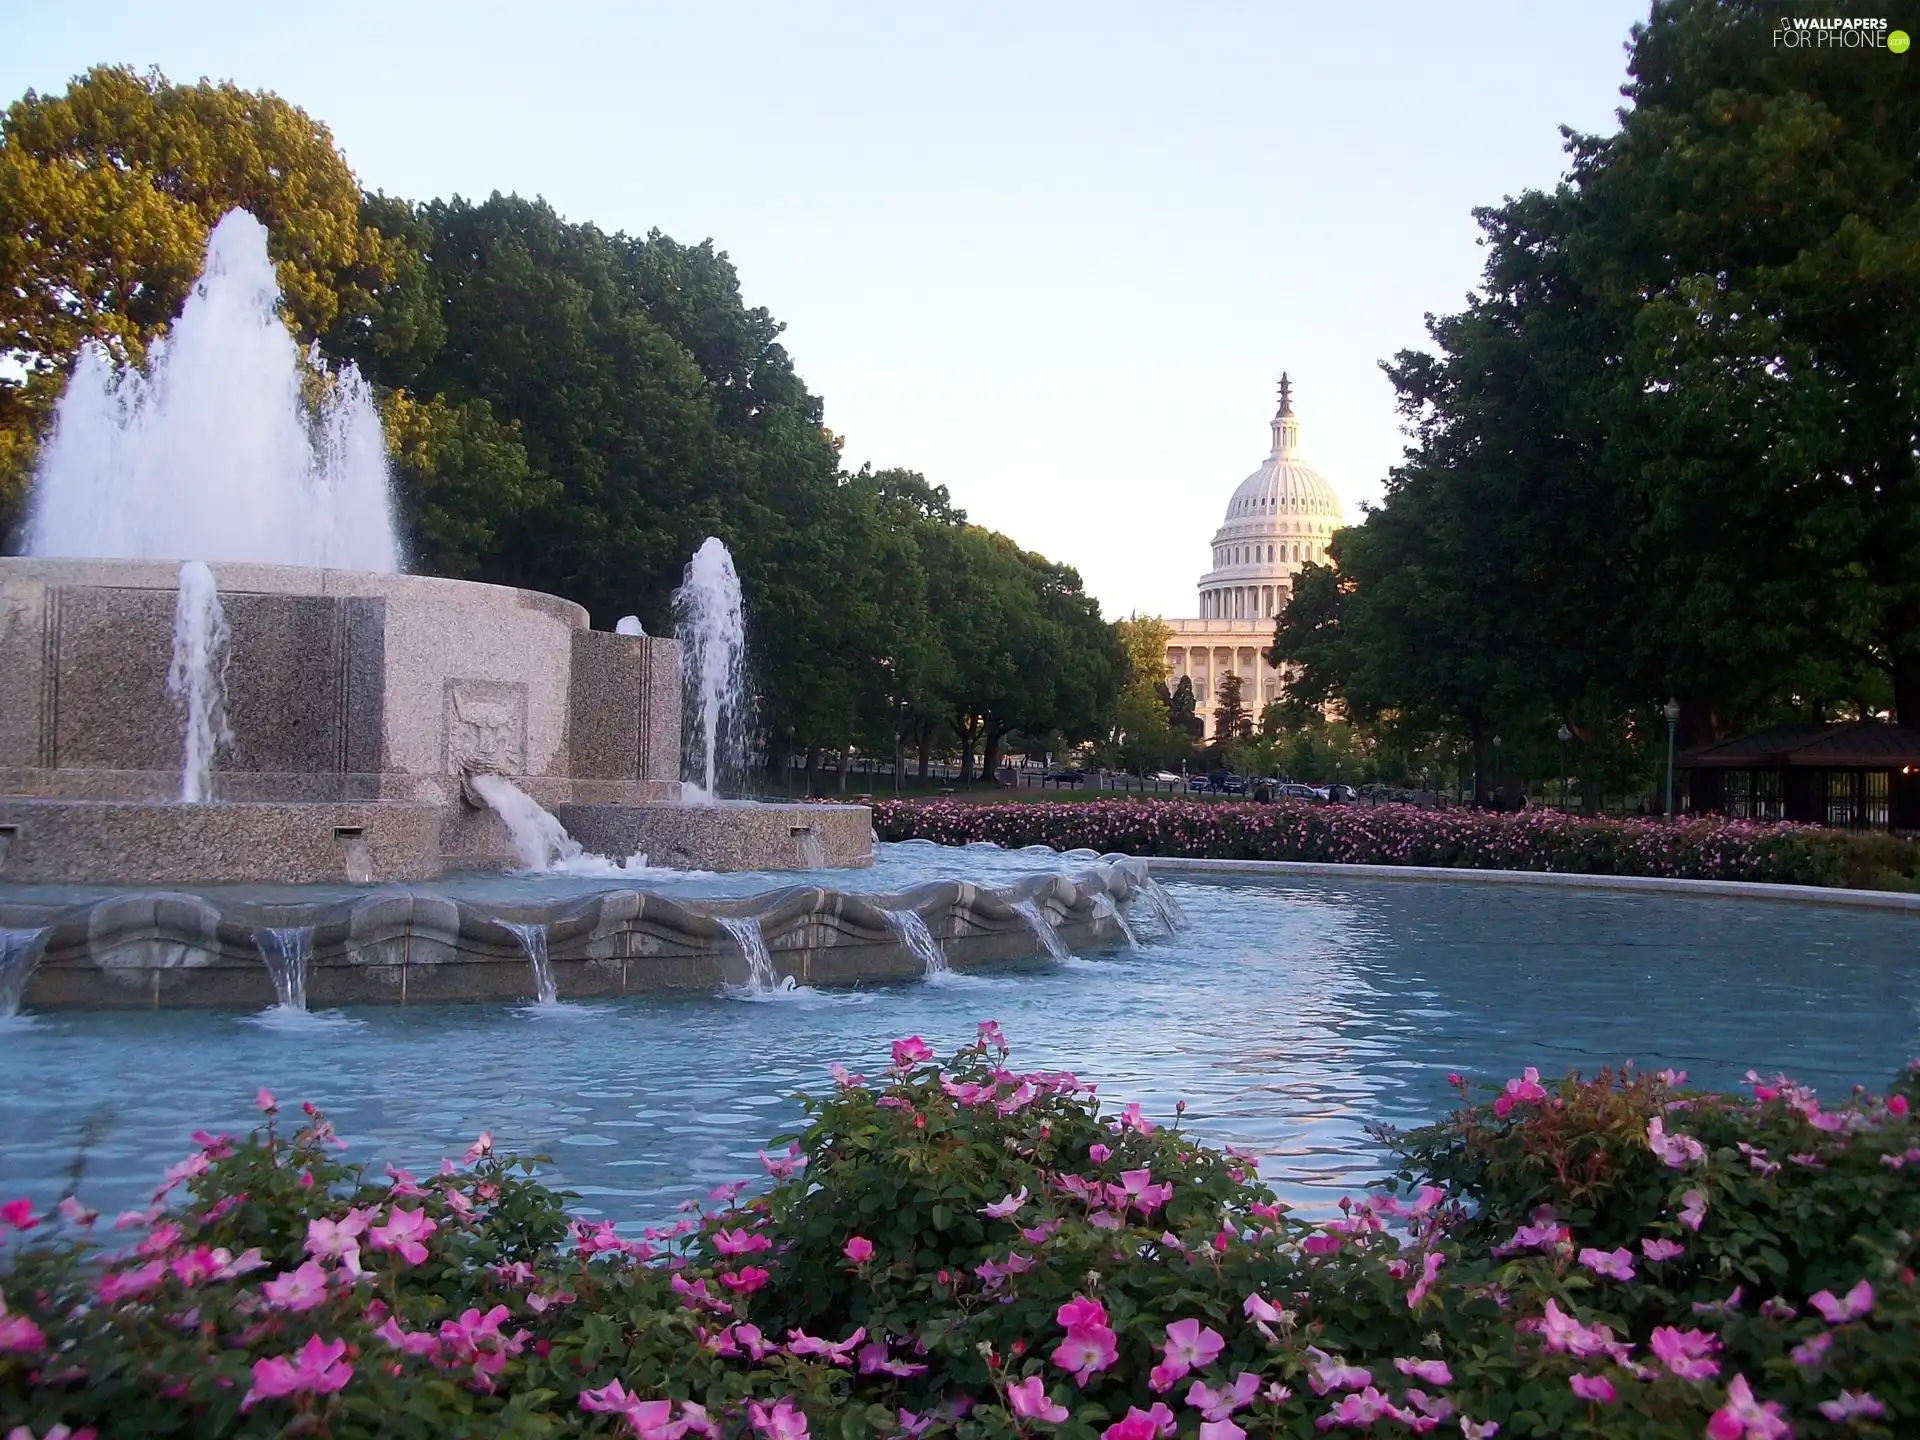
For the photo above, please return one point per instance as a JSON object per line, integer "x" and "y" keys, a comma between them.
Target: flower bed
{"x": 1705, "y": 849}
{"x": 960, "y": 1249}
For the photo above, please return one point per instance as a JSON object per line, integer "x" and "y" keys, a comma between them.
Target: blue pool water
{"x": 1293, "y": 1013}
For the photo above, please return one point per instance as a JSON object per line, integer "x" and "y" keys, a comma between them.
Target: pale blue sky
{"x": 1054, "y": 256}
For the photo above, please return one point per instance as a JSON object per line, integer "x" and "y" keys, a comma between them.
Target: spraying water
{"x": 1042, "y": 927}
{"x": 812, "y": 855}
{"x": 286, "y": 954}
{"x": 215, "y": 449}
{"x": 533, "y": 940}
{"x": 539, "y": 840}
{"x": 1105, "y": 909}
{"x": 762, "y": 978}
{"x": 20, "y": 952}
{"x": 712, "y": 628}
{"x": 197, "y": 679}
{"x": 914, "y": 934}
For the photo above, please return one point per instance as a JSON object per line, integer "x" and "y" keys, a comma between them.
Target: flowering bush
{"x": 1702, "y": 849}
{"x": 960, "y": 1249}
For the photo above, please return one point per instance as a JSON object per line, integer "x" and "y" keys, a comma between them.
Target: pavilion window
{"x": 1768, "y": 802}
{"x": 1874, "y": 796}
{"x": 1840, "y": 797}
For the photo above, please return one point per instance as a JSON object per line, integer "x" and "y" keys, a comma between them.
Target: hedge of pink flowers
{"x": 958, "y": 1248}
{"x": 1702, "y": 849}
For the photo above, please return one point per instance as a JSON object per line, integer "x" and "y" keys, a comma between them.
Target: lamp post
{"x": 1496, "y": 772}
{"x": 899, "y": 747}
{"x": 1564, "y": 735}
{"x": 1672, "y": 711}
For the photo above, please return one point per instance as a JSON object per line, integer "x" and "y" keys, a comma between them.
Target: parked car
{"x": 1163, "y": 777}
{"x": 1301, "y": 792}
{"x": 1068, "y": 776}
{"x": 1342, "y": 794}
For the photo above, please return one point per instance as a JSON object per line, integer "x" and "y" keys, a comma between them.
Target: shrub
{"x": 1701, "y": 849}
{"x": 958, "y": 1248}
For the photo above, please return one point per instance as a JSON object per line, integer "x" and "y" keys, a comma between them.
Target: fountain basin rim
{"x": 1566, "y": 879}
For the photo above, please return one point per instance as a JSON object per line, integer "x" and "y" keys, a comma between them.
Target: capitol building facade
{"x": 1279, "y": 519}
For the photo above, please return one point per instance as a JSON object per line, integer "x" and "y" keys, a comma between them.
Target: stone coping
{"x": 1658, "y": 884}
{"x": 396, "y": 946}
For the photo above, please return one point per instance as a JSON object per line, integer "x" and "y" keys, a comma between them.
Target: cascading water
{"x": 1042, "y": 927}
{"x": 1166, "y": 909}
{"x": 215, "y": 449}
{"x": 1105, "y": 909}
{"x": 914, "y": 934}
{"x": 812, "y": 855}
{"x": 197, "y": 679}
{"x": 533, "y": 940}
{"x": 762, "y": 978}
{"x": 286, "y": 953}
{"x": 539, "y": 840}
{"x": 712, "y": 628}
{"x": 20, "y": 952}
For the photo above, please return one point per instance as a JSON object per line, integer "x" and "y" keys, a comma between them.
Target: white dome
{"x": 1280, "y": 518}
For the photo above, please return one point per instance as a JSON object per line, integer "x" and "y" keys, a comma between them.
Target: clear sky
{"x": 1054, "y": 256}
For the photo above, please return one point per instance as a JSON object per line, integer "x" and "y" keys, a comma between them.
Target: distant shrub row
{"x": 1701, "y": 849}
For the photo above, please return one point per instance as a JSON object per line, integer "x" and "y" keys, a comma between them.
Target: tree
{"x": 1230, "y": 718}
{"x": 1181, "y": 707}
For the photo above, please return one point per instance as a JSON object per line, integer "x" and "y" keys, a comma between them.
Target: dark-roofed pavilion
{"x": 1863, "y": 776}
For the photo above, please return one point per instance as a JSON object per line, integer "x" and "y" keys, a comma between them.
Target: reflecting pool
{"x": 1293, "y": 1013}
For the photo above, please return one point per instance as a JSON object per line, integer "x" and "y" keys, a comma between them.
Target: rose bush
{"x": 1701, "y": 849}
{"x": 958, "y": 1248}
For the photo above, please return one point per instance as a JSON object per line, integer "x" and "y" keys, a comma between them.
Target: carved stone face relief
{"x": 486, "y": 726}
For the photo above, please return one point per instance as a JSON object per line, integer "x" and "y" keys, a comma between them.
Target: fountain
{"x": 319, "y": 716}
{"x": 287, "y": 951}
{"x": 1103, "y": 905}
{"x": 20, "y": 951}
{"x": 762, "y": 978}
{"x": 1042, "y": 927}
{"x": 533, "y": 941}
{"x": 918, "y": 939}
{"x": 711, "y": 624}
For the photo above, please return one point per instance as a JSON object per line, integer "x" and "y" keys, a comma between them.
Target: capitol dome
{"x": 1279, "y": 519}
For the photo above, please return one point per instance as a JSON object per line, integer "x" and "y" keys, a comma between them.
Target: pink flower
{"x": 1849, "y": 1405}
{"x": 338, "y": 1239}
{"x": 19, "y": 1335}
{"x": 1596, "y": 1388}
{"x": 1430, "y": 1372}
{"x": 1686, "y": 1352}
{"x": 263, "y": 1098}
{"x": 1330, "y": 1372}
{"x": 1079, "y": 1312}
{"x": 874, "y": 1361}
{"x": 297, "y": 1290}
{"x": 1029, "y": 1401}
{"x": 1479, "y": 1429}
{"x": 1136, "y": 1424}
{"x": 1430, "y": 1264}
{"x": 906, "y": 1053}
{"x": 1858, "y": 1302}
{"x": 782, "y": 1422}
{"x": 1039, "y": 1234}
{"x": 1693, "y": 1209}
{"x": 1659, "y": 1250}
{"x": 404, "y": 1232}
{"x": 1674, "y": 1151}
{"x": 746, "y": 1280}
{"x": 117, "y": 1285}
{"x": 1813, "y": 1350}
{"x": 859, "y": 1250}
{"x": 1087, "y": 1350}
{"x": 1526, "y": 1087}
{"x": 1744, "y": 1418}
{"x": 1221, "y": 1430}
{"x": 1219, "y": 1404}
{"x": 1614, "y": 1264}
{"x": 18, "y": 1214}
{"x": 318, "y": 1368}
{"x": 1191, "y": 1346}
{"x": 834, "y": 1352}
{"x": 1098, "y": 1153}
{"x": 739, "y": 1242}
{"x": 1896, "y": 1107}
{"x": 1005, "y": 1206}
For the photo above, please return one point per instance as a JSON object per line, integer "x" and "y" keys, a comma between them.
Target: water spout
{"x": 712, "y": 626}
{"x": 1165, "y": 908}
{"x": 1105, "y": 909}
{"x": 919, "y": 940}
{"x": 533, "y": 941}
{"x": 539, "y": 840}
{"x": 286, "y": 954}
{"x": 812, "y": 856}
{"x": 214, "y": 449}
{"x": 1042, "y": 926}
{"x": 762, "y": 978}
{"x": 20, "y": 952}
{"x": 197, "y": 678}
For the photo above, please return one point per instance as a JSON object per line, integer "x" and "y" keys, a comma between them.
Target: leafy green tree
{"x": 1231, "y": 721}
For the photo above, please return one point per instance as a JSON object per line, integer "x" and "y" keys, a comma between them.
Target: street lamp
{"x": 1564, "y": 735}
{"x": 1496, "y": 772}
{"x": 1672, "y": 711}
{"x": 899, "y": 747}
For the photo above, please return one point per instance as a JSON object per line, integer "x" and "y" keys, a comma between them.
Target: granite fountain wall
{"x": 359, "y": 703}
